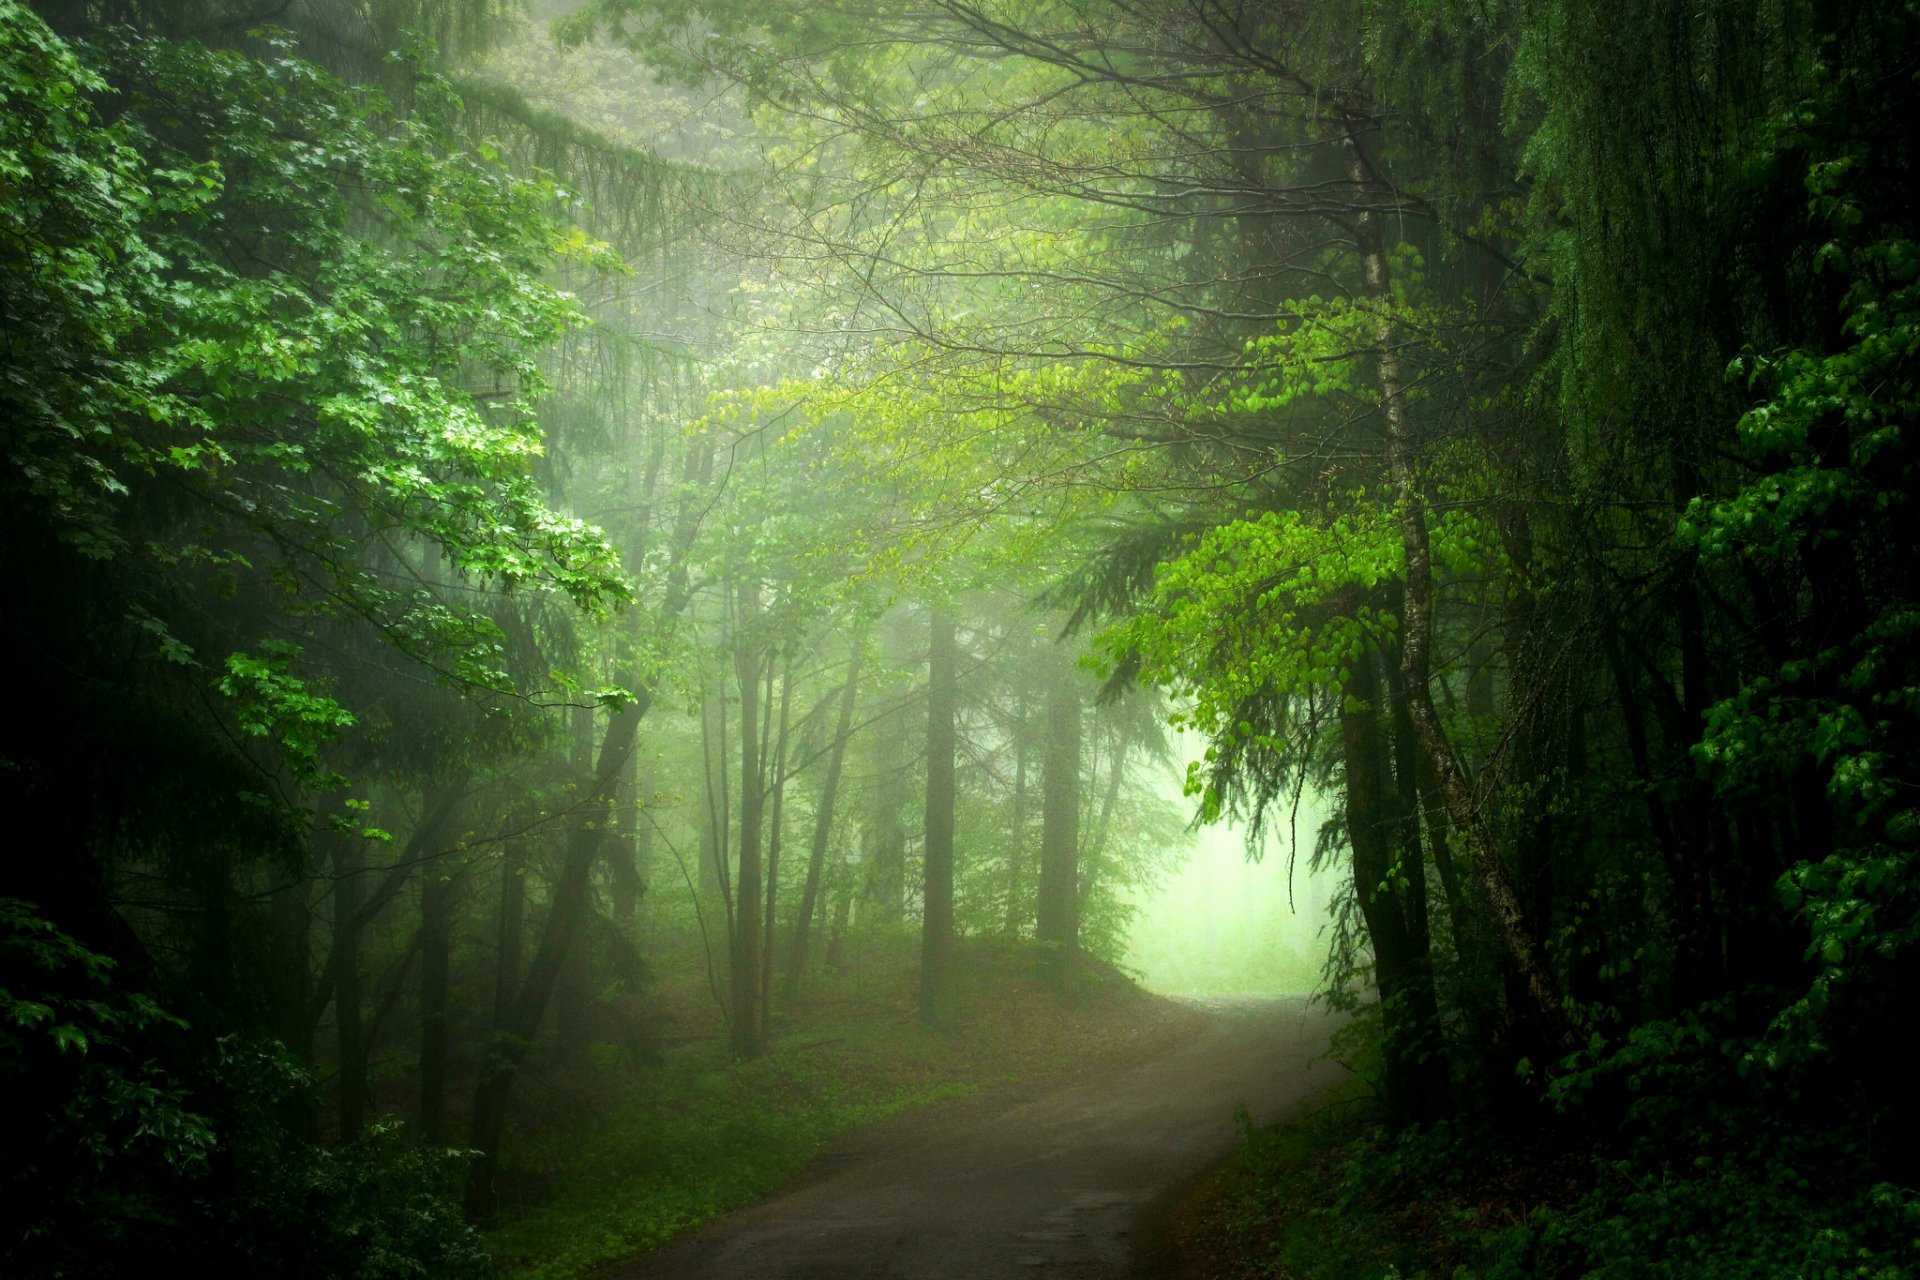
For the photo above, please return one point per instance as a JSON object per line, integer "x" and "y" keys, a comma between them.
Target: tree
{"x": 936, "y": 924}
{"x": 1058, "y": 924}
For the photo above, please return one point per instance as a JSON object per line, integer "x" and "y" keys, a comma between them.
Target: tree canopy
{"x": 489, "y": 512}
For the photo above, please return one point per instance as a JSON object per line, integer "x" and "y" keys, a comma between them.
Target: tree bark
{"x": 936, "y": 926}
{"x": 749, "y": 662}
{"x": 778, "y": 781}
{"x": 344, "y": 960}
{"x": 572, "y": 997}
{"x": 1057, "y": 923}
{"x": 1416, "y": 1075}
{"x": 436, "y": 958}
{"x": 1093, "y": 858}
{"x": 514, "y": 1034}
{"x": 1017, "y": 853}
{"x": 511, "y": 932}
{"x": 292, "y": 988}
{"x": 885, "y": 838}
{"x": 565, "y": 915}
{"x": 1545, "y": 1006}
{"x": 823, "y": 826}
{"x": 626, "y": 860}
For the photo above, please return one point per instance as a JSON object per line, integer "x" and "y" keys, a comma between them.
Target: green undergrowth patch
{"x": 702, "y": 1135}
{"x": 1336, "y": 1198}
{"x": 1286, "y": 1205}
{"x": 622, "y": 1156}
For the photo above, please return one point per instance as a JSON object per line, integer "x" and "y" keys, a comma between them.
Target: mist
{"x": 1225, "y": 924}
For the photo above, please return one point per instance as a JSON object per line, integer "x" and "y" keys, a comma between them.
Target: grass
{"x": 612, "y": 1161}
{"x": 1331, "y": 1197}
{"x": 1334, "y": 1198}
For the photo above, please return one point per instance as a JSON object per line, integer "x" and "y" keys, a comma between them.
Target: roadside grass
{"x": 1335, "y": 1198}
{"x": 1329, "y": 1196}
{"x": 1280, "y": 1207}
{"x": 609, "y": 1162}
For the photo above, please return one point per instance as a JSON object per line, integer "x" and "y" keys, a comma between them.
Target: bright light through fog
{"x": 1222, "y": 925}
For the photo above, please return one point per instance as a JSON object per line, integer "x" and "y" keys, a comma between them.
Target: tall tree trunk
{"x": 514, "y": 1034}
{"x": 823, "y": 826}
{"x": 293, "y": 989}
{"x": 1406, "y": 778}
{"x": 1093, "y": 853}
{"x": 565, "y": 915}
{"x": 749, "y": 662}
{"x": 936, "y": 926}
{"x": 572, "y": 997}
{"x": 1416, "y": 1075}
{"x": 625, "y": 859}
{"x": 1017, "y": 854}
{"x": 1526, "y": 951}
{"x": 349, "y": 866}
{"x": 840, "y": 883}
{"x": 437, "y": 887}
{"x": 778, "y": 781}
{"x": 716, "y": 832}
{"x": 1058, "y": 918}
{"x": 885, "y": 838}
{"x": 512, "y": 930}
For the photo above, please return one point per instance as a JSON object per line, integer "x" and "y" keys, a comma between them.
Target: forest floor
{"x": 1042, "y": 1135}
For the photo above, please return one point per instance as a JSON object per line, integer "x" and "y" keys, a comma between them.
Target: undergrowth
{"x": 707, "y": 1136}
{"x": 1668, "y": 1159}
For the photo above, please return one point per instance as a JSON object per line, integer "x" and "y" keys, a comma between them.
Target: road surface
{"x": 1071, "y": 1181}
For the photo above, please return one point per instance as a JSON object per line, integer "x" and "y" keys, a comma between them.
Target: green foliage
{"x": 269, "y": 331}
{"x": 99, "y": 1128}
{"x": 1717, "y": 1169}
{"x": 132, "y": 1138}
{"x": 1829, "y": 498}
{"x": 380, "y": 1208}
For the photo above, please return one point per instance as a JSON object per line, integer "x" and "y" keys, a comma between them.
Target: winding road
{"x": 1073, "y": 1181}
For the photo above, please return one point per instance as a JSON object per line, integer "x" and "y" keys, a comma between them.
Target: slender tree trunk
{"x": 841, "y": 885}
{"x": 512, "y": 930}
{"x": 885, "y": 839}
{"x": 1527, "y": 953}
{"x": 936, "y": 927}
{"x": 1416, "y": 1076}
{"x": 1406, "y": 778}
{"x": 1058, "y": 922}
{"x": 749, "y": 661}
{"x": 1017, "y": 855}
{"x": 348, "y": 887}
{"x": 436, "y": 943}
{"x": 625, "y": 859}
{"x": 293, "y": 989}
{"x": 565, "y": 915}
{"x": 572, "y": 997}
{"x": 514, "y": 1034}
{"x": 716, "y": 832}
{"x": 823, "y": 826}
{"x": 437, "y": 890}
{"x": 1093, "y": 854}
{"x": 778, "y": 781}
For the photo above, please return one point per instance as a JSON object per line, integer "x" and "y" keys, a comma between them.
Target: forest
{"x": 608, "y": 591}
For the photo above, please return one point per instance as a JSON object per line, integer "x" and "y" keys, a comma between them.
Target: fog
{"x": 1224, "y": 924}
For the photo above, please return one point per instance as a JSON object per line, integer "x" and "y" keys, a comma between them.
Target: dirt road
{"x": 1068, "y": 1182}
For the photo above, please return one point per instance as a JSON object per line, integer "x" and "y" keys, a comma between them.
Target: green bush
{"x": 131, "y": 1138}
